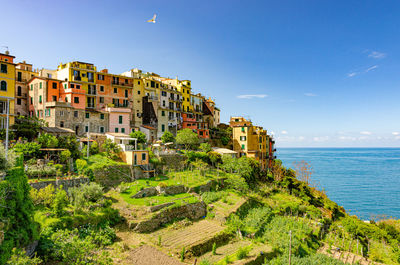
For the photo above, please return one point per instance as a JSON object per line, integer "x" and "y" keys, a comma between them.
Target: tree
{"x": 112, "y": 149}
{"x": 205, "y": 147}
{"x": 187, "y": 137}
{"x": 140, "y": 136}
{"x": 60, "y": 201}
{"x": 70, "y": 143}
{"x": 200, "y": 165}
{"x": 27, "y": 127}
{"x": 65, "y": 156}
{"x": 303, "y": 171}
{"x": 29, "y": 149}
{"x": 214, "y": 157}
{"x": 278, "y": 171}
{"x": 11, "y": 159}
{"x": 167, "y": 137}
{"x": 47, "y": 140}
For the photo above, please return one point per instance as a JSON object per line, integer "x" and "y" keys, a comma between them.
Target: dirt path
{"x": 147, "y": 255}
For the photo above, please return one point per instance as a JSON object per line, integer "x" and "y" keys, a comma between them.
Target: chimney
{"x": 7, "y": 52}
{"x": 104, "y": 71}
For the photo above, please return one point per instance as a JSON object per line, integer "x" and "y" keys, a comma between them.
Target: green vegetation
{"x": 140, "y": 136}
{"x": 188, "y": 138}
{"x": 167, "y": 137}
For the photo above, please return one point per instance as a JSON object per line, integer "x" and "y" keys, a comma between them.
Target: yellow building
{"x": 83, "y": 74}
{"x": 7, "y": 88}
{"x": 249, "y": 140}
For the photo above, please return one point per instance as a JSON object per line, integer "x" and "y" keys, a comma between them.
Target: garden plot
{"x": 187, "y": 236}
{"x": 225, "y": 250}
{"x": 147, "y": 255}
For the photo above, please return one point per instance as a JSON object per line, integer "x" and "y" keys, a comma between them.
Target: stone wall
{"x": 172, "y": 160}
{"x": 192, "y": 211}
{"x": 66, "y": 183}
{"x": 147, "y": 192}
{"x": 112, "y": 176}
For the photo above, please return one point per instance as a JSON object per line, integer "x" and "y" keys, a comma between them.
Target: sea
{"x": 365, "y": 181}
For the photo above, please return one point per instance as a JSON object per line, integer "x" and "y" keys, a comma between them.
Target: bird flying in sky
{"x": 153, "y": 19}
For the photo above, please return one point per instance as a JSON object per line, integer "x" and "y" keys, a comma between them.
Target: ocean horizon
{"x": 364, "y": 180}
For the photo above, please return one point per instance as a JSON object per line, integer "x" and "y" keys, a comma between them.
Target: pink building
{"x": 119, "y": 119}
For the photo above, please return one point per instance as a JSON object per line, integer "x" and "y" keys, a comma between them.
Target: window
{"x": 116, "y": 129}
{"x": 123, "y": 130}
{"x": 138, "y": 92}
{"x": 152, "y": 83}
{"x": 3, "y": 86}
{"x": 61, "y": 124}
{"x": 101, "y": 116}
{"x": 143, "y": 156}
{"x": 101, "y": 88}
{"x": 242, "y": 138}
{"x": 90, "y": 77}
{"x": 183, "y": 92}
{"x": 19, "y": 91}
{"x": 3, "y": 68}
{"x": 242, "y": 146}
{"x": 201, "y": 133}
{"x": 31, "y": 100}
{"x": 78, "y": 86}
{"x": 66, "y": 99}
{"x": 125, "y": 103}
{"x": 243, "y": 130}
{"x": 120, "y": 119}
{"x": 163, "y": 93}
{"x": 162, "y": 127}
{"x": 40, "y": 99}
{"x": 87, "y": 115}
{"x": 126, "y": 93}
{"x": 162, "y": 113}
{"x": 19, "y": 78}
{"x": 55, "y": 85}
{"x": 65, "y": 86}
{"x": 18, "y": 101}
{"x": 54, "y": 98}
{"x": 115, "y": 90}
{"x": 76, "y": 114}
{"x": 31, "y": 87}
{"x": 187, "y": 99}
{"x": 101, "y": 129}
{"x": 100, "y": 77}
{"x": 138, "y": 82}
{"x": 101, "y": 99}
{"x": 72, "y": 86}
{"x": 61, "y": 113}
{"x": 40, "y": 85}
{"x": 76, "y": 100}
{"x": 86, "y": 128}
{"x": 163, "y": 103}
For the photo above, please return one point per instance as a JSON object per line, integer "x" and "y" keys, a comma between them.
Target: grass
{"x": 157, "y": 200}
{"x": 238, "y": 255}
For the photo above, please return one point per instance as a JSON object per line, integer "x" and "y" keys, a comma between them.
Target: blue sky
{"x": 315, "y": 73}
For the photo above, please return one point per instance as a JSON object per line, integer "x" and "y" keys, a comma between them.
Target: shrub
{"x": 112, "y": 149}
{"x": 44, "y": 196}
{"x": 183, "y": 254}
{"x": 188, "y": 138}
{"x": 47, "y": 140}
{"x": 242, "y": 253}
{"x": 162, "y": 185}
{"x": 140, "y": 136}
{"x": 103, "y": 235}
{"x": 92, "y": 191}
{"x": 28, "y": 150}
{"x": 123, "y": 187}
{"x": 205, "y": 147}
{"x": 81, "y": 165}
{"x": 237, "y": 183}
{"x": 60, "y": 201}
{"x": 167, "y": 137}
{"x": 205, "y": 262}
{"x": 65, "y": 156}
{"x": 212, "y": 196}
{"x": 214, "y": 248}
{"x": 19, "y": 257}
{"x": 11, "y": 159}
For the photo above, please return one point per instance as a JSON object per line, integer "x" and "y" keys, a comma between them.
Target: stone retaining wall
{"x": 192, "y": 211}
{"x": 66, "y": 183}
{"x": 159, "y": 207}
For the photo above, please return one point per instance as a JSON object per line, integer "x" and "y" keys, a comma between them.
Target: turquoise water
{"x": 365, "y": 181}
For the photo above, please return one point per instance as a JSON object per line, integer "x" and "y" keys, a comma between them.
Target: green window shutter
{"x": 87, "y": 115}
{"x": 243, "y": 129}
{"x": 242, "y": 146}
{"x": 116, "y": 130}
{"x": 123, "y": 130}
{"x": 120, "y": 119}
{"x": 40, "y": 99}
{"x": 40, "y": 85}
{"x": 162, "y": 127}
{"x": 31, "y": 87}
{"x": 102, "y": 116}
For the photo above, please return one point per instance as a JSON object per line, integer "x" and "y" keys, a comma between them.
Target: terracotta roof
{"x": 57, "y": 130}
{"x": 148, "y": 127}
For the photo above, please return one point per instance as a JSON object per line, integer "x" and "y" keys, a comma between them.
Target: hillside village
{"x": 99, "y": 168}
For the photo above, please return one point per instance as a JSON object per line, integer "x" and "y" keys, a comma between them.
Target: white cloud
{"x": 395, "y": 133}
{"x": 365, "y": 133}
{"x": 377, "y": 55}
{"x": 252, "y": 96}
{"x": 352, "y": 74}
{"x": 284, "y": 132}
{"x": 347, "y": 138}
{"x": 321, "y": 138}
{"x": 371, "y": 68}
{"x": 310, "y": 95}
{"x": 301, "y": 138}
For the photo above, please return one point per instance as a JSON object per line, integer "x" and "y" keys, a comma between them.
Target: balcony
{"x": 90, "y": 105}
{"x": 117, "y": 83}
{"x": 153, "y": 98}
{"x": 76, "y": 78}
{"x": 92, "y": 92}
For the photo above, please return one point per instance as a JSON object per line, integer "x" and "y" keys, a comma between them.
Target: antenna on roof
{"x": 7, "y": 51}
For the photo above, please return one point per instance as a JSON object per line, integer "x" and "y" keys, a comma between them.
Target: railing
{"x": 153, "y": 98}
{"x": 92, "y": 92}
{"x": 90, "y": 105}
